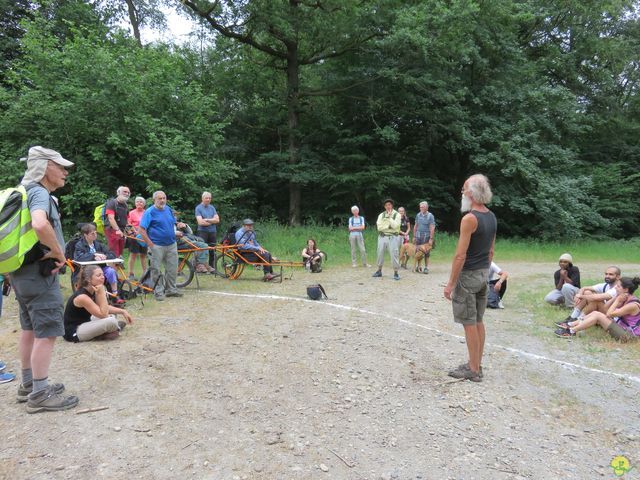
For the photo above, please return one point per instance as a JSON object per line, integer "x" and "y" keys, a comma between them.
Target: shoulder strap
{"x": 52, "y": 203}
{"x": 324, "y": 294}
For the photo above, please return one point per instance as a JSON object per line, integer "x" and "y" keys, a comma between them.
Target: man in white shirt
{"x": 589, "y": 299}
{"x": 497, "y": 286}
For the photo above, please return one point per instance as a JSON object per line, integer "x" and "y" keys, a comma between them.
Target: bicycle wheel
{"x": 226, "y": 264}
{"x": 186, "y": 271}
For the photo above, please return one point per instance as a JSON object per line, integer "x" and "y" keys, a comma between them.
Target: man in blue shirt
{"x": 157, "y": 228}
{"x": 423, "y": 231}
{"x": 252, "y": 250}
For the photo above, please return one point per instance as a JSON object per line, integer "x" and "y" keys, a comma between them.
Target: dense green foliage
{"x": 387, "y": 99}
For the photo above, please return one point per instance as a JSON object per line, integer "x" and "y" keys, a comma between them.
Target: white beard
{"x": 465, "y": 204}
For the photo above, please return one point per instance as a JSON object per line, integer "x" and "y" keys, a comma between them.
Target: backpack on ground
{"x": 17, "y": 237}
{"x": 316, "y": 292}
{"x": 100, "y": 217}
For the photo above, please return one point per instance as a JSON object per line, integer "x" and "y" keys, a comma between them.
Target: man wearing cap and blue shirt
{"x": 567, "y": 281}
{"x": 37, "y": 286}
{"x": 252, "y": 250}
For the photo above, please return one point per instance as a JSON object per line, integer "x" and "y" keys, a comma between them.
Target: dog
{"x": 419, "y": 255}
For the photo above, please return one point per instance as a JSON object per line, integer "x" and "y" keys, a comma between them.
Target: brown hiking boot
{"x": 48, "y": 400}
{"x": 463, "y": 371}
{"x": 25, "y": 390}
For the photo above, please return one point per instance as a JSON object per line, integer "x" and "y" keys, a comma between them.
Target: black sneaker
{"x": 378, "y": 274}
{"x": 564, "y": 333}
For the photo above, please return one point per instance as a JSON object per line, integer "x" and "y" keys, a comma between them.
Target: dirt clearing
{"x": 246, "y": 384}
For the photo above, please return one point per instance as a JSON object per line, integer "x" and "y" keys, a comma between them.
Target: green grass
{"x": 287, "y": 242}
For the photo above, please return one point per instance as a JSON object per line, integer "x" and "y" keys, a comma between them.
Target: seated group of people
{"x": 610, "y": 304}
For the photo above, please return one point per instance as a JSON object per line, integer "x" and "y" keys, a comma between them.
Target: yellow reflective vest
{"x": 17, "y": 237}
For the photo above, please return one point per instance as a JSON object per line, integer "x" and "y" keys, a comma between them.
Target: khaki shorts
{"x": 40, "y": 300}
{"x": 619, "y": 333}
{"x": 469, "y": 297}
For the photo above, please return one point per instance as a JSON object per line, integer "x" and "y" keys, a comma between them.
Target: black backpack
{"x": 230, "y": 236}
{"x": 70, "y": 247}
{"x": 316, "y": 292}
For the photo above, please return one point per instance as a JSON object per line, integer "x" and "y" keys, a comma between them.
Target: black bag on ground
{"x": 316, "y": 292}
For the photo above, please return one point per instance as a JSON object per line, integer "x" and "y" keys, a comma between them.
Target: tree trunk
{"x": 133, "y": 18}
{"x": 293, "y": 92}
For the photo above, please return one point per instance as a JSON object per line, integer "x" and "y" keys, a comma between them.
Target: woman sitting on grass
{"x": 622, "y": 320}
{"x": 88, "y": 315}
{"x": 313, "y": 257}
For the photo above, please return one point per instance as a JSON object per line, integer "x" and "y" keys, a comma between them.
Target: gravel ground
{"x": 247, "y": 380}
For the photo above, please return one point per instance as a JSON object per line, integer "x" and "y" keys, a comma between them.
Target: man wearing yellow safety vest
{"x": 37, "y": 286}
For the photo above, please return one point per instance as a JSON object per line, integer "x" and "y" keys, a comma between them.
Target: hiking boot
{"x": 25, "y": 390}
{"x": 175, "y": 294}
{"x": 201, "y": 268}
{"x": 378, "y": 274}
{"x": 396, "y": 276}
{"x": 466, "y": 365}
{"x": 48, "y": 400}
{"x": 160, "y": 298}
{"x": 463, "y": 371}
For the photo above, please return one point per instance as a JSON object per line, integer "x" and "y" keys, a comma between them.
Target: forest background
{"x": 294, "y": 110}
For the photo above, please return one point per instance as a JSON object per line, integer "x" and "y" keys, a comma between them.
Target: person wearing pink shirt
{"x": 135, "y": 249}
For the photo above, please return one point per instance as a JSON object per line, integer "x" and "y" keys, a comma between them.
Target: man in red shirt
{"x": 116, "y": 211}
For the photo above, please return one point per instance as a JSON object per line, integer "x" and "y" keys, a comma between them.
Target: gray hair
{"x": 354, "y": 208}
{"x": 140, "y": 198}
{"x": 479, "y": 188}
{"x": 424, "y": 203}
{"x": 156, "y": 193}
{"x": 206, "y": 194}
{"x": 119, "y": 190}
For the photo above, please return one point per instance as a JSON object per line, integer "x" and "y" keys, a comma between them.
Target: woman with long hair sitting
{"x": 313, "y": 257}
{"x": 88, "y": 315}
{"x": 622, "y": 320}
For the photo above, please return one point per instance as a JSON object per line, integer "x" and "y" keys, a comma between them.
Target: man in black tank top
{"x": 467, "y": 286}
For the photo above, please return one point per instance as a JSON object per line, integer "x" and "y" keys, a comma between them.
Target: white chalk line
{"x": 515, "y": 351}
